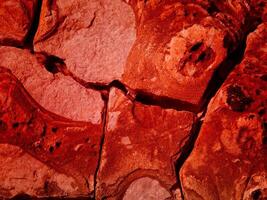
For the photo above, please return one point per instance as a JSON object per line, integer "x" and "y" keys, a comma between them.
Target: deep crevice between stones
{"x": 28, "y": 43}
{"x": 185, "y": 152}
{"x": 55, "y": 65}
{"x": 220, "y": 75}
{"x": 105, "y": 98}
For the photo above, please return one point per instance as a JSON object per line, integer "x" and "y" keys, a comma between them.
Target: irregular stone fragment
{"x": 55, "y": 92}
{"x": 181, "y": 44}
{"x": 16, "y": 18}
{"x": 20, "y": 172}
{"x": 146, "y": 189}
{"x": 93, "y": 37}
{"x": 229, "y": 158}
{"x": 140, "y": 141}
{"x": 69, "y": 148}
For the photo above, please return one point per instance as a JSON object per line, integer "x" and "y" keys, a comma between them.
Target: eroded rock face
{"x": 16, "y": 18}
{"x": 69, "y": 147}
{"x": 229, "y": 159}
{"x": 55, "y": 92}
{"x": 140, "y": 141}
{"x": 104, "y": 99}
{"x": 181, "y": 44}
{"x": 93, "y": 37}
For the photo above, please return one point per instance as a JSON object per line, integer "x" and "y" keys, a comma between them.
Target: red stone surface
{"x": 181, "y": 44}
{"x": 133, "y": 99}
{"x": 229, "y": 158}
{"x": 93, "y": 37}
{"x": 140, "y": 141}
{"x": 16, "y": 19}
{"x": 69, "y": 147}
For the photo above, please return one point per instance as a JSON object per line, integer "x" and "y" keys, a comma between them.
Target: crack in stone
{"x": 92, "y": 21}
{"x": 56, "y": 65}
{"x": 33, "y": 29}
{"x": 214, "y": 85}
{"x": 105, "y": 98}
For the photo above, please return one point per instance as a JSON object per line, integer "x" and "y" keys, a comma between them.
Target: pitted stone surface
{"x": 112, "y": 99}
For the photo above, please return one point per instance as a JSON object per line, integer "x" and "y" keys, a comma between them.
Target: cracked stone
{"x": 16, "y": 18}
{"x": 55, "y": 92}
{"x": 67, "y": 151}
{"x": 180, "y": 45}
{"x": 101, "y": 33}
{"x": 229, "y": 158}
{"x": 140, "y": 141}
{"x": 21, "y": 172}
{"x": 112, "y": 99}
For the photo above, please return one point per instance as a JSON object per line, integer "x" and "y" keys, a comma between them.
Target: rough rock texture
{"x": 146, "y": 189}
{"x": 16, "y": 19}
{"x": 140, "y": 141}
{"x": 55, "y": 92}
{"x": 70, "y": 148}
{"x": 229, "y": 160}
{"x": 93, "y": 37}
{"x": 180, "y": 44}
{"x": 112, "y": 99}
{"x": 21, "y": 172}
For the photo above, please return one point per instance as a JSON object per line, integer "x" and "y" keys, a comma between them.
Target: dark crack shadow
{"x": 28, "y": 43}
{"x": 185, "y": 152}
{"x": 105, "y": 98}
{"x": 219, "y": 77}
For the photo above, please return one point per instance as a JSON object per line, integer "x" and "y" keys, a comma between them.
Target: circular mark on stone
{"x": 196, "y": 60}
{"x": 146, "y": 189}
{"x": 236, "y": 98}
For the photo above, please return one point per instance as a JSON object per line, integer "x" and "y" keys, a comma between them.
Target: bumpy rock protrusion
{"x": 229, "y": 158}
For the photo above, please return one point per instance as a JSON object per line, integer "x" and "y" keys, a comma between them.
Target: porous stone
{"x": 180, "y": 45}
{"x": 68, "y": 147}
{"x": 229, "y": 158}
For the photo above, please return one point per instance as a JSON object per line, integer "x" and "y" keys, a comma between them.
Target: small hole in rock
{"x": 264, "y": 77}
{"x": 251, "y": 116}
{"x": 212, "y": 9}
{"x": 15, "y": 125}
{"x": 201, "y": 57}
{"x": 261, "y": 112}
{"x": 44, "y": 131}
{"x": 3, "y": 126}
{"x": 51, "y": 149}
{"x": 196, "y": 46}
{"x": 256, "y": 194}
{"x": 58, "y": 143}
{"x": 54, "y": 129}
